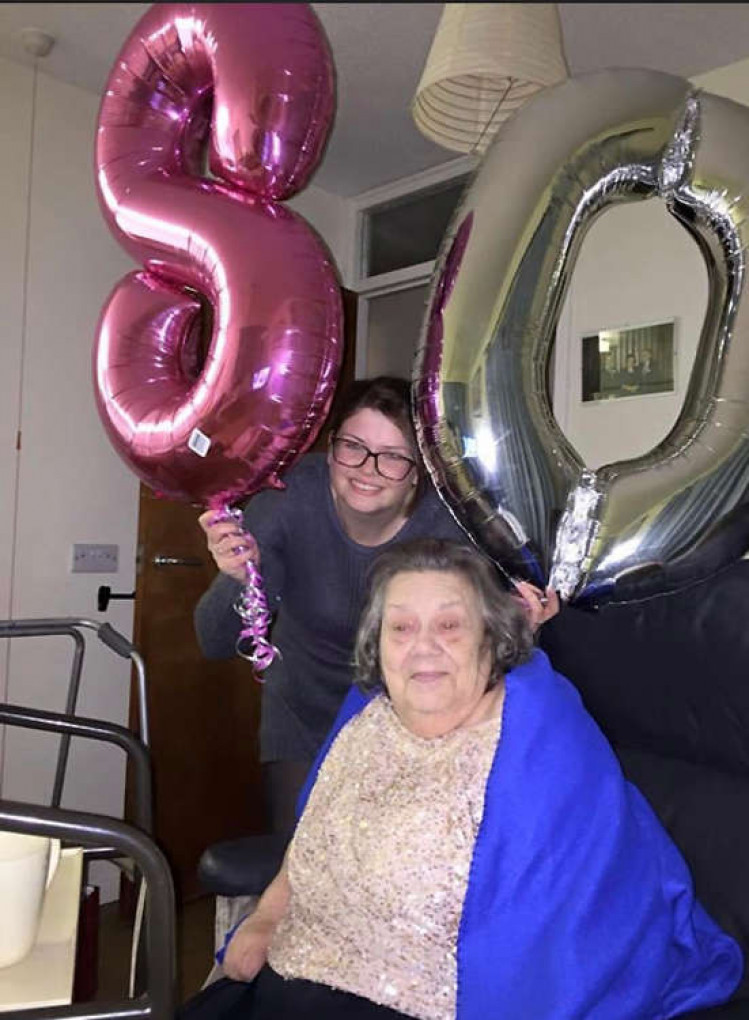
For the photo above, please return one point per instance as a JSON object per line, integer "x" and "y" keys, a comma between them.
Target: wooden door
{"x": 204, "y": 716}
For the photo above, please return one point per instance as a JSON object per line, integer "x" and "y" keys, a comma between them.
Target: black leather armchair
{"x": 241, "y": 867}
{"x": 667, "y": 679}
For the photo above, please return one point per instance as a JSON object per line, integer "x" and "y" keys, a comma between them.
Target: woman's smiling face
{"x": 362, "y": 489}
{"x": 435, "y": 661}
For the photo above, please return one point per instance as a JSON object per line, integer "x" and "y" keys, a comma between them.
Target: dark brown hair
{"x": 391, "y": 396}
{"x": 387, "y": 394}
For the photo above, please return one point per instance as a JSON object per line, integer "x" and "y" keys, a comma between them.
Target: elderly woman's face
{"x": 435, "y": 660}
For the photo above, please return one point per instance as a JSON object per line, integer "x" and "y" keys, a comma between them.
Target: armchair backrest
{"x": 667, "y": 679}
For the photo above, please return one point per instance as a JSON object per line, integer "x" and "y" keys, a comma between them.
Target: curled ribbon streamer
{"x": 215, "y": 364}
{"x": 252, "y": 607}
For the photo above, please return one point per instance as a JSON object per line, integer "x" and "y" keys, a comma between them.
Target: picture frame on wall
{"x": 637, "y": 361}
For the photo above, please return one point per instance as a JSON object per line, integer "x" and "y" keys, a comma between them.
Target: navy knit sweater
{"x": 316, "y": 580}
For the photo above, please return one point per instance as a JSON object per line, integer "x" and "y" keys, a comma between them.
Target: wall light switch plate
{"x": 95, "y": 559}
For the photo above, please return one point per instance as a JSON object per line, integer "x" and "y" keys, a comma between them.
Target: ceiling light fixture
{"x": 486, "y": 60}
{"x": 37, "y": 42}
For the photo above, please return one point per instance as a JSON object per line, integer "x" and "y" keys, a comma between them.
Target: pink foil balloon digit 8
{"x": 215, "y": 365}
{"x": 255, "y": 400}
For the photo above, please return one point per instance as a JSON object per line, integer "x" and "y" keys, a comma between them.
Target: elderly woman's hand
{"x": 540, "y": 606}
{"x": 248, "y": 949}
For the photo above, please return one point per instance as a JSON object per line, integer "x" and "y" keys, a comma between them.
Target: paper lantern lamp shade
{"x": 486, "y": 60}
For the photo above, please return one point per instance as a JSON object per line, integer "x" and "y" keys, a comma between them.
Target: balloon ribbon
{"x": 252, "y": 607}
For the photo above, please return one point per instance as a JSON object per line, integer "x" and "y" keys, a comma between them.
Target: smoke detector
{"x": 36, "y": 42}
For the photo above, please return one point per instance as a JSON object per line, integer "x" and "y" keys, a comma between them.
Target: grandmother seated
{"x": 468, "y": 847}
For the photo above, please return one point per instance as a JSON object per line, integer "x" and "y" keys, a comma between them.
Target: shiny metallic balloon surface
{"x": 481, "y": 393}
{"x": 215, "y": 364}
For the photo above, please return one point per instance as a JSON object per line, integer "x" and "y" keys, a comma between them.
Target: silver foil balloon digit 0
{"x": 481, "y": 395}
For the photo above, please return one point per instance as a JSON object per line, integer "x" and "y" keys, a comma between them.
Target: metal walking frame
{"x": 102, "y": 837}
{"x": 68, "y": 626}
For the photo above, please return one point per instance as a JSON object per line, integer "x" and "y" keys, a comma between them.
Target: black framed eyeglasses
{"x": 351, "y": 453}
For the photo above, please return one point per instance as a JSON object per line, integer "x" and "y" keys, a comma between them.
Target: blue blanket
{"x": 579, "y": 906}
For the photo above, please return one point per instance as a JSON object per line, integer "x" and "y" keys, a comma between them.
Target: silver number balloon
{"x": 481, "y": 399}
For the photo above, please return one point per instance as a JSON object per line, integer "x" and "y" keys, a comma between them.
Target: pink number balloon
{"x": 216, "y": 363}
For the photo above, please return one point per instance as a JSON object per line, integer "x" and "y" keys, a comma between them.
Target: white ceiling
{"x": 379, "y": 50}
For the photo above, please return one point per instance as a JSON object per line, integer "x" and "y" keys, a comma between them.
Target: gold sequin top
{"x": 379, "y": 863}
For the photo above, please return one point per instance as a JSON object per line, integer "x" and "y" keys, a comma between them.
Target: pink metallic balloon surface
{"x": 215, "y": 365}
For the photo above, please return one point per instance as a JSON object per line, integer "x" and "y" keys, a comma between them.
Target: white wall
{"x": 58, "y": 262}
{"x": 637, "y": 266}
{"x": 15, "y": 119}
{"x": 329, "y": 215}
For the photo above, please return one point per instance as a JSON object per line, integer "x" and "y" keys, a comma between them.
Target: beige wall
{"x": 731, "y": 81}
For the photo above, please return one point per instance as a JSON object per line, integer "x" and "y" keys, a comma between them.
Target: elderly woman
{"x": 468, "y": 847}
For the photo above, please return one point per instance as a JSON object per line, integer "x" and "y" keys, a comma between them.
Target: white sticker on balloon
{"x": 199, "y": 442}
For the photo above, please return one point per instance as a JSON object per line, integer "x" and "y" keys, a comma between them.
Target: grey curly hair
{"x": 506, "y": 626}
